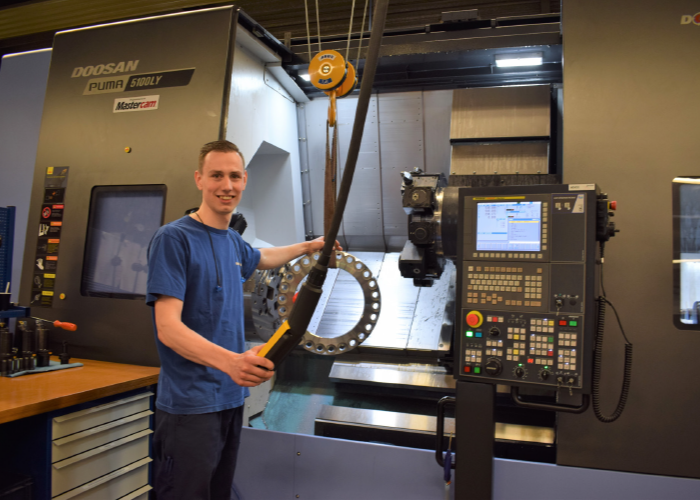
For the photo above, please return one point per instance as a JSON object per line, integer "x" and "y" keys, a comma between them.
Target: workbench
{"x": 82, "y": 432}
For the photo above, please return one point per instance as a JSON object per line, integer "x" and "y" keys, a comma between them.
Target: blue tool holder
{"x": 7, "y": 233}
{"x": 16, "y": 312}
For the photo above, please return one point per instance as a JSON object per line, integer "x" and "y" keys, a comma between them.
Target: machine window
{"x": 686, "y": 252}
{"x": 510, "y": 226}
{"x": 121, "y": 223}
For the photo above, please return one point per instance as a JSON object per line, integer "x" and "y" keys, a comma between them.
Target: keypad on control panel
{"x": 567, "y": 339}
{"x": 566, "y": 359}
{"x": 546, "y": 342}
{"x": 541, "y": 345}
{"x": 519, "y": 348}
{"x": 505, "y": 286}
{"x": 473, "y": 356}
{"x": 508, "y": 255}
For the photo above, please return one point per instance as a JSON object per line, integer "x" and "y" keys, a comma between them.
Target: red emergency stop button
{"x": 612, "y": 205}
{"x": 474, "y": 319}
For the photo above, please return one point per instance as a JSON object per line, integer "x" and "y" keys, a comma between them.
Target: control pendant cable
{"x": 598, "y": 355}
{"x": 291, "y": 332}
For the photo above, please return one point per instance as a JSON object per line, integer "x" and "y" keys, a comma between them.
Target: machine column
{"x": 475, "y": 434}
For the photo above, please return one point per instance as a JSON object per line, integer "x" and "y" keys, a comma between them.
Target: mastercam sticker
{"x": 143, "y": 103}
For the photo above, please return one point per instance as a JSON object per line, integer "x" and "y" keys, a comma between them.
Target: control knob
{"x": 520, "y": 372}
{"x": 494, "y": 331}
{"x": 545, "y": 374}
{"x": 493, "y": 367}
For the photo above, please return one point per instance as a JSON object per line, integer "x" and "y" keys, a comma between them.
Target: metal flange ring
{"x": 327, "y": 70}
{"x": 332, "y": 346}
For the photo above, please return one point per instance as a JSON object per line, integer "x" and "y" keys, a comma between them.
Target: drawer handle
{"x": 104, "y": 479}
{"x": 94, "y": 409}
{"x": 101, "y": 449}
{"x": 137, "y": 493}
{"x": 100, "y": 428}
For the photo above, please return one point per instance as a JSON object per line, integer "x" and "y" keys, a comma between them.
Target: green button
{"x": 477, "y": 369}
{"x": 573, "y": 323}
{"x": 551, "y": 339}
{"x": 470, "y": 334}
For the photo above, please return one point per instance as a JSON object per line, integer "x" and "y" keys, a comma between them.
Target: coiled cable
{"x": 598, "y": 356}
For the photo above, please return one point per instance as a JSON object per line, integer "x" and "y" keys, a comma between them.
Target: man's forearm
{"x": 189, "y": 344}
{"x": 273, "y": 257}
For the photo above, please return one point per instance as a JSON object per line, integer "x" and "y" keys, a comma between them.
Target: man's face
{"x": 222, "y": 181}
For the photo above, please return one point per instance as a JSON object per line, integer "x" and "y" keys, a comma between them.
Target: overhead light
{"x": 519, "y": 59}
{"x": 305, "y": 77}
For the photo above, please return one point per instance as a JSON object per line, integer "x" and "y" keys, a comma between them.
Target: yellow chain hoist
{"x": 337, "y": 78}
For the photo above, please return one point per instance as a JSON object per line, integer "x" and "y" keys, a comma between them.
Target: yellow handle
{"x": 273, "y": 340}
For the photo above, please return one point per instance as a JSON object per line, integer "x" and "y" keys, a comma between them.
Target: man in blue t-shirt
{"x": 196, "y": 267}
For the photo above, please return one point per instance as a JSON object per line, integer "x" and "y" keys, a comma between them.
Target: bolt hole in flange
{"x": 292, "y": 279}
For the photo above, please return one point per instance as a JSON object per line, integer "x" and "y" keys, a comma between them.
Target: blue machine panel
{"x": 7, "y": 233}
{"x": 278, "y": 465}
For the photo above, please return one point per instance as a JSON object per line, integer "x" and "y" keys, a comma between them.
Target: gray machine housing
{"x": 104, "y": 146}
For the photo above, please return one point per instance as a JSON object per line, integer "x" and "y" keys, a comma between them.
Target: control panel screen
{"x": 122, "y": 221}
{"x": 509, "y": 226}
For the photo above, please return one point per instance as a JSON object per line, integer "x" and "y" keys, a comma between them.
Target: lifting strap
{"x": 331, "y": 174}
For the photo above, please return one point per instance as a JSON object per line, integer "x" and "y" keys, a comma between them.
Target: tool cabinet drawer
{"x": 92, "y": 464}
{"x": 99, "y": 415}
{"x": 129, "y": 482}
{"x": 73, "y": 444}
{"x": 141, "y": 494}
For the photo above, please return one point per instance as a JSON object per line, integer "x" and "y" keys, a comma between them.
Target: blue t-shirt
{"x": 181, "y": 265}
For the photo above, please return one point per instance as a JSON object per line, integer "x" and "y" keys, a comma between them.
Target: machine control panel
{"x": 526, "y": 278}
{"x": 523, "y": 347}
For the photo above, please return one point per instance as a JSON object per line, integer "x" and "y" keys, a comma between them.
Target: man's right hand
{"x": 249, "y": 369}
{"x": 246, "y": 369}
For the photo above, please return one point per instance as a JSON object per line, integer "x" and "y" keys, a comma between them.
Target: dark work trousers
{"x": 195, "y": 455}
